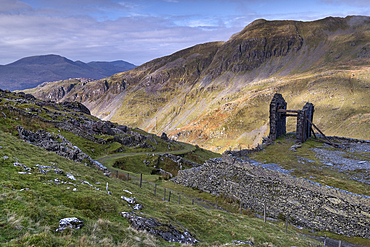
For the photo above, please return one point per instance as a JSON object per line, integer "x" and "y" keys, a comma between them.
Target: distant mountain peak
{"x": 31, "y": 71}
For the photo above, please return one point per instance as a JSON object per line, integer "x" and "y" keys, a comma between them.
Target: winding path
{"x": 187, "y": 149}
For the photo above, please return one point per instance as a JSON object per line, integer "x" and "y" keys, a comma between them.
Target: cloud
{"x": 14, "y": 6}
{"x": 360, "y": 3}
{"x": 133, "y": 30}
{"x": 135, "y": 39}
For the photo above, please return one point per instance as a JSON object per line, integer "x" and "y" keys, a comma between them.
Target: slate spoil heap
{"x": 305, "y": 203}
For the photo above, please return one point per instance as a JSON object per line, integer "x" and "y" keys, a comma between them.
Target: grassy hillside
{"x": 38, "y": 188}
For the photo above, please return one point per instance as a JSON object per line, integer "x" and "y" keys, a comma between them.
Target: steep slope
{"x": 31, "y": 71}
{"x": 216, "y": 94}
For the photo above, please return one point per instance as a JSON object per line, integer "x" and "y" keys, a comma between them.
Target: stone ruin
{"x": 278, "y": 114}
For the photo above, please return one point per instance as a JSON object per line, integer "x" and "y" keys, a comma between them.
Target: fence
{"x": 237, "y": 206}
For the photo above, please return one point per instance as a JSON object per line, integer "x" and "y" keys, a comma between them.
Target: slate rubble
{"x": 307, "y": 203}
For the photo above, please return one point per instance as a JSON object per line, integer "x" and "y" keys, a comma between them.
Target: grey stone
{"x": 154, "y": 227}
{"x": 73, "y": 223}
{"x": 138, "y": 207}
{"x": 129, "y": 200}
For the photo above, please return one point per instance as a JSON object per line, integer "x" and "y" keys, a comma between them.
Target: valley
{"x": 216, "y": 94}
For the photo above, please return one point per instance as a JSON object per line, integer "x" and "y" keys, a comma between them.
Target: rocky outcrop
{"x": 154, "y": 227}
{"x": 64, "y": 148}
{"x": 308, "y": 204}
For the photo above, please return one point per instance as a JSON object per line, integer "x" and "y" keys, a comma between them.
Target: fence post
{"x": 117, "y": 174}
{"x": 141, "y": 179}
{"x": 340, "y": 243}
{"x": 169, "y": 196}
{"x": 155, "y": 189}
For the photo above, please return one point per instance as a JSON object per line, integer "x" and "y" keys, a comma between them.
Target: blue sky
{"x": 138, "y": 31}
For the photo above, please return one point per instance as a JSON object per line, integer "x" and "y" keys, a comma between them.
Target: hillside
{"x": 49, "y": 172}
{"x": 31, "y": 71}
{"x": 217, "y": 94}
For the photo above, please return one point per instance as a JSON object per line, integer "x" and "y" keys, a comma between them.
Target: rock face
{"x": 65, "y": 149}
{"x": 308, "y": 204}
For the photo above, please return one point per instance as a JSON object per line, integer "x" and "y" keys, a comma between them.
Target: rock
{"x": 164, "y": 137}
{"x": 296, "y": 146}
{"x": 237, "y": 242}
{"x": 76, "y": 106}
{"x": 128, "y": 192}
{"x": 5, "y": 157}
{"x": 75, "y": 189}
{"x": 70, "y": 176}
{"x": 72, "y": 223}
{"x": 102, "y": 128}
{"x": 122, "y": 128}
{"x": 165, "y": 231}
{"x": 138, "y": 207}
{"x": 293, "y": 149}
{"x": 334, "y": 210}
{"x": 129, "y": 200}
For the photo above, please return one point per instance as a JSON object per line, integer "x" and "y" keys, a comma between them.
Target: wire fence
{"x": 175, "y": 197}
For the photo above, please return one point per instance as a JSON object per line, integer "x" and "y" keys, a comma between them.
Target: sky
{"x": 138, "y": 31}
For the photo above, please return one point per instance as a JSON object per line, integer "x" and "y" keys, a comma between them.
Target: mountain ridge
{"x": 29, "y": 72}
{"x": 217, "y": 94}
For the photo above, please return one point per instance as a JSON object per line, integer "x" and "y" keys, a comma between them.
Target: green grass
{"x": 30, "y": 217}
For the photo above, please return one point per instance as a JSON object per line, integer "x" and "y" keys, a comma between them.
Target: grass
{"x": 30, "y": 217}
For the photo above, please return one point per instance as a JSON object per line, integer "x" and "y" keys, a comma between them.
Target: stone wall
{"x": 307, "y": 203}
{"x": 303, "y": 126}
{"x": 277, "y": 119}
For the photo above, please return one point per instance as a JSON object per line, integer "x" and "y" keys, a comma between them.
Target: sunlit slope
{"x": 217, "y": 94}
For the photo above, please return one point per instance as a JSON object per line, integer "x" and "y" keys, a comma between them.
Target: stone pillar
{"x": 303, "y": 131}
{"x": 309, "y": 115}
{"x": 277, "y": 119}
{"x": 300, "y": 131}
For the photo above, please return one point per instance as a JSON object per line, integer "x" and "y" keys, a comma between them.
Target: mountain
{"x": 217, "y": 94}
{"x": 31, "y": 71}
{"x": 112, "y": 67}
